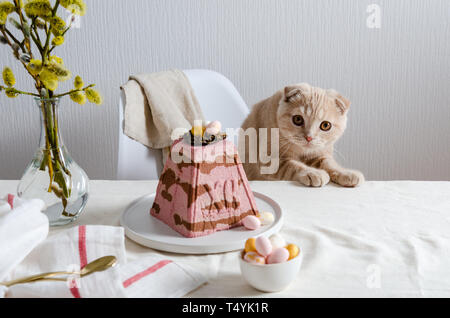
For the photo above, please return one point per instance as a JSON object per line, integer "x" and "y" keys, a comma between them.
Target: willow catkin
{"x": 8, "y": 77}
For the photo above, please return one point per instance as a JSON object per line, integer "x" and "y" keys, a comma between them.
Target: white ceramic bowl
{"x": 270, "y": 277}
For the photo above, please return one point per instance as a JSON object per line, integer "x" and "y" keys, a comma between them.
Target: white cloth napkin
{"x": 22, "y": 228}
{"x": 72, "y": 249}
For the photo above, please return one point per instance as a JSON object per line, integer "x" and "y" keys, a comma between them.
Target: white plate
{"x": 147, "y": 230}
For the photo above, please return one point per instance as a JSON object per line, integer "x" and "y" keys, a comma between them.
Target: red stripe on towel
{"x": 11, "y": 200}
{"x": 82, "y": 245}
{"x": 83, "y": 258}
{"x": 148, "y": 271}
{"x": 74, "y": 290}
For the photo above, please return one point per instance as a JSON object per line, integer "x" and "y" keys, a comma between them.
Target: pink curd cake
{"x": 203, "y": 187}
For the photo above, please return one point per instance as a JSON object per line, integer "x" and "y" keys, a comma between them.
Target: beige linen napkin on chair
{"x": 157, "y": 104}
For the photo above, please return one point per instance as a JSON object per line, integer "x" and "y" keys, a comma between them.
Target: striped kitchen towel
{"x": 72, "y": 249}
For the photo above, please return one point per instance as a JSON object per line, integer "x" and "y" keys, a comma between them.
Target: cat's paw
{"x": 313, "y": 177}
{"x": 349, "y": 178}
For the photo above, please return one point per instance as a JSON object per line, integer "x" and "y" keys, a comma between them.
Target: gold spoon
{"x": 98, "y": 265}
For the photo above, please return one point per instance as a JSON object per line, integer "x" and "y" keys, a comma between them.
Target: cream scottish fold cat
{"x": 310, "y": 120}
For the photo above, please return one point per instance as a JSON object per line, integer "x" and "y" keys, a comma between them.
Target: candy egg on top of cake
{"x": 203, "y": 187}
{"x": 205, "y": 135}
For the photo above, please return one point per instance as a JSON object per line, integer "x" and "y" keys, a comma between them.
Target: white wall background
{"x": 397, "y": 77}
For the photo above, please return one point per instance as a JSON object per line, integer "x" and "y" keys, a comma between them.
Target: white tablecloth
{"x": 383, "y": 239}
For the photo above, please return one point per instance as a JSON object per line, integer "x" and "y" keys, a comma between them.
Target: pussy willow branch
{"x": 8, "y": 41}
{"x": 44, "y": 51}
{"x": 18, "y": 91}
{"x": 55, "y": 96}
{"x": 6, "y": 32}
{"x": 35, "y": 37}
{"x": 38, "y": 83}
{"x": 35, "y": 40}
{"x": 47, "y": 41}
{"x": 62, "y": 34}
{"x": 74, "y": 91}
{"x": 16, "y": 41}
{"x": 67, "y": 29}
{"x": 22, "y": 21}
{"x": 53, "y": 159}
{"x": 33, "y": 27}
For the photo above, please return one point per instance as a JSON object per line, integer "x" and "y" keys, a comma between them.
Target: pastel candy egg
{"x": 214, "y": 124}
{"x": 293, "y": 250}
{"x": 263, "y": 246}
{"x": 251, "y": 222}
{"x": 279, "y": 255}
{"x": 250, "y": 245}
{"x": 254, "y": 258}
{"x": 277, "y": 241}
{"x": 266, "y": 218}
{"x": 214, "y": 127}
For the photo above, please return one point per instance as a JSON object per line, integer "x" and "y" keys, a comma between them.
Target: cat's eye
{"x": 298, "y": 120}
{"x": 325, "y": 125}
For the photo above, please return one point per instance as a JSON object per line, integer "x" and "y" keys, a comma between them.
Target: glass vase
{"x": 53, "y": 176}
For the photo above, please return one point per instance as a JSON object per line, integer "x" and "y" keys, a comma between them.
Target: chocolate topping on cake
{"x": 210, "y": 225}
{"x": 204, "y": 140}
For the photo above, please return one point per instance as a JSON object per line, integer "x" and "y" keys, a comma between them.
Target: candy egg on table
{"x": 254, "y": 258}
{"x": 266, "y": 218}
{"x": 279, "y": 255}
{"x": 293, "y": 250}
{"x": 263, "y": 246}
{"x": 251, "y": 222}
{"x": 250, "y": 245}
{"x": 277, "y": 241}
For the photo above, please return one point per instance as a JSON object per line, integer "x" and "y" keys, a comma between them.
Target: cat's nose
{"x": 308, "y": 138}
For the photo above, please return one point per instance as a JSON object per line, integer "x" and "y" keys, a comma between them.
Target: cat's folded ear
{"x": 296, "y": 92}
{"x": 341, "y": 102}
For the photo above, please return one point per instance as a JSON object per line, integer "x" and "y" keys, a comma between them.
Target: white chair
{"x": 218, "y": 99}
